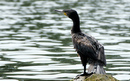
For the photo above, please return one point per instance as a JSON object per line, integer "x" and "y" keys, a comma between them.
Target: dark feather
{"x": 87, "y": 46}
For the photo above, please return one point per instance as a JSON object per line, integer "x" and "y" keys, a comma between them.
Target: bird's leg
{"x": 85, "y": 73}
{"x": 84, "y": 69}
{"x": 84, "y": 63}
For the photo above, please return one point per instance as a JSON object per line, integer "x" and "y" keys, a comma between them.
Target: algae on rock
{"x": 95, "y": 77}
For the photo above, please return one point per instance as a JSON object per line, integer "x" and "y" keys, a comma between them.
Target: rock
{"x": 95, "y": 77}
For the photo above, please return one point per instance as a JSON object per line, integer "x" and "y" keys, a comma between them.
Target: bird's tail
{"x": 96, "y": 68}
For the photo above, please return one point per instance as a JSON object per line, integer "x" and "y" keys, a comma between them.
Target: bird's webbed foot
{"x": 86, "y": 74}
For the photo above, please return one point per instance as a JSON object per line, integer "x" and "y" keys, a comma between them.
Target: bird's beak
{"x": 61, "y": 11}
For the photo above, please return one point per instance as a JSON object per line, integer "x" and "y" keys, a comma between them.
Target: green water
{"x": 36, "y": 45}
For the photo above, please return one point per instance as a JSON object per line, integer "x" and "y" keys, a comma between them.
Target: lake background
{"x": 36, "y": 45}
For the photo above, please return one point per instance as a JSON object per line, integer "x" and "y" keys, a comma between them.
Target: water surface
{"x": 36, "y": 45}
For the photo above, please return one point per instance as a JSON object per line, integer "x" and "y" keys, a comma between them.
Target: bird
{"x": 87, "y": 47}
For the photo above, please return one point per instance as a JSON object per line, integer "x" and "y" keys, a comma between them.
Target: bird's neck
{"x": 76, "y": 25}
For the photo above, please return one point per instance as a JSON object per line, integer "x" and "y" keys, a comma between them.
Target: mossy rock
{"x": 100, "y": 77}
{"x": 95, "y": 77}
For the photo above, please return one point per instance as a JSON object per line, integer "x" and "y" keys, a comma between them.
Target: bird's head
{"x": 69, "y": 13}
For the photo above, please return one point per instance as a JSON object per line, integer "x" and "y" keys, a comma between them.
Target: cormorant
{"x": 87, "y": 47}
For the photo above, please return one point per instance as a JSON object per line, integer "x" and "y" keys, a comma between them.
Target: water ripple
{"x": 35, "y": 41}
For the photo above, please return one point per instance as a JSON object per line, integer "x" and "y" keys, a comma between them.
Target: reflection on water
{"x": 35, "y": 42}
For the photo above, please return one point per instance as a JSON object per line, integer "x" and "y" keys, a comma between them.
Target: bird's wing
{"x": 83, "y": 45}
{"x": 101, "y": 54}
{"x": 89, "y": 46}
